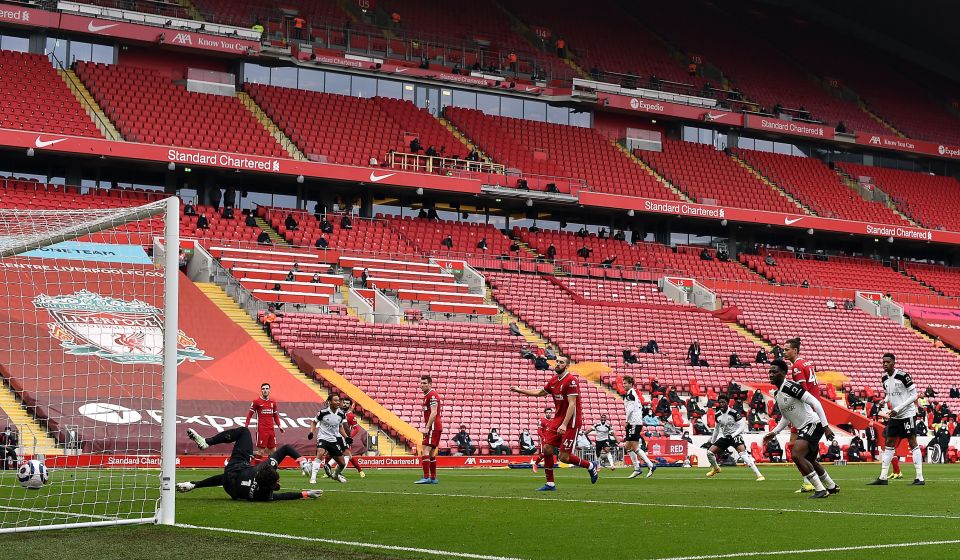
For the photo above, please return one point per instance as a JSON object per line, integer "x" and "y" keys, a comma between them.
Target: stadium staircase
{"x": 235, "y": 313}
{"x": 576, "y": 68}
{"x": 756, "y": 173}
{"x": 191, "y": 10}
{"x": 680, "y": 194}
{"x": 285, "y": 142}
{"x": 27, "y": 425}
{"x": 464, "y": 139}
{"x": 852, "y": 183}
{"x": 273, "y": 234}
{"x": 881, "y": 120}
{"x": 90, "y": 105}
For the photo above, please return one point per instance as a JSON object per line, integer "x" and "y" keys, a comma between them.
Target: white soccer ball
{"x": 32, "y": 475}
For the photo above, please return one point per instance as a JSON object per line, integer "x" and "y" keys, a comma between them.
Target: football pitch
{"x": 496, "y": 514}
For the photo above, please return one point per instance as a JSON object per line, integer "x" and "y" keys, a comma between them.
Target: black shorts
{"x": 633, "y": 432}
{"x": 812, "y": 433}
{"x": 900, "y": 428}
{"x": 331, "y": 447}
{"x": 725, "y": 442}
{"x": 602, "y": 445}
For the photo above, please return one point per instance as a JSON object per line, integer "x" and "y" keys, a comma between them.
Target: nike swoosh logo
{"x": 791, "y": 221}
{"x": 399, "y": 70}
{"x": 374, "y": 178}
{"x": 530, "y": 89}
{"x": 712, "y": 117}
{"x": 43, "y": 144}
{"x": 98, "y": 28}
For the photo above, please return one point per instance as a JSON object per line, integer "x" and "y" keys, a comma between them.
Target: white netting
{"x": 81, "y": 356}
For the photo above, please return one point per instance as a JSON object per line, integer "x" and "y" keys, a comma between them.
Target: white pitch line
{"x": 809, "y": 550}
{"x": 59, "y": 513}
{"x": 653, "y": 504}
{"x": 430, "y": 551}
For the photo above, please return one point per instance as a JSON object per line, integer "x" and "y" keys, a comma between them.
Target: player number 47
{"x": 567, "y": 443}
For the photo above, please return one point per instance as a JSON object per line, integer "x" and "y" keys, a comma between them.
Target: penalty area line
{"x": 430, "y": 551}
{"x": 810, "y": 550}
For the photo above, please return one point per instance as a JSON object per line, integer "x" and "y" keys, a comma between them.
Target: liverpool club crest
{"x": 124, "y": 332}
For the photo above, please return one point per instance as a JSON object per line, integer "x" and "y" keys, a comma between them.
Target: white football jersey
{"x": 631, "y": 405}
{"x": 729, "y": 424}
{"x": 603, "y": 431}
{"x": 900, "y": 391}
{"x": 795, "y": 411}
{"x": 328, "y": 424}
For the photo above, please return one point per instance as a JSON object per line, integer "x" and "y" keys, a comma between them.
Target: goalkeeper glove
{"x": 349, "y": 441}
{"x": 308, "y": 494}
{"x": 310, "y": 435}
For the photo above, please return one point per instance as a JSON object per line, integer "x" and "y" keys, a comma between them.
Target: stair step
{"x": 27, "y": 426}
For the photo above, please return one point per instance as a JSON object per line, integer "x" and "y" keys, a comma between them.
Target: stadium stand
{"x": 153, "y": 7}
{"x": 426, "y": 236}
{"x": 943, "y": 279}
{"x": 836, "y": 272}
{"x": 571, "y": 157}
{"x": 147, "y": 107}
{"x": 34, "y": 97}
{"x": 473, "y": 367}
{"x": 816, "y": 186}
{"x": 709, "y": 176}
{"x": 928, "y": 199}
{"x": 853, "y": 344}
{"x": 364, "y": 235}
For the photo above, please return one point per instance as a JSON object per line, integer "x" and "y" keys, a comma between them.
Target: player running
{"x": 561, "y": 433}
{"x": 329, "y": 427}
{"x": 901, "y": 396}
{"x": 634, "y": 443}
{"x": 803, "y": 411}
{"x": 353, "y": 429}
{"x": 268, "y": 416}
{"x": 729, "y": 433}
{"x": 802, "y": 372}
{"x": 604, "y": 440}
{"x": 432, "y": 429}
{"x": 240, "y": 479}
{"x": 541, "y": 434}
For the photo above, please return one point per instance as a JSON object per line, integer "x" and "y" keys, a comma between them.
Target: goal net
{"x": 88, "y": 355}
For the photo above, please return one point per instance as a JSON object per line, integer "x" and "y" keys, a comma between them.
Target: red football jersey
{"x": 561, "y": 388}
{"x": 804, "y": 373}
{"x": 430, "y": 399}
{"x": 352, "y": 426}
{"x": 267, "y": 415}
{"x": 542, "y": 428}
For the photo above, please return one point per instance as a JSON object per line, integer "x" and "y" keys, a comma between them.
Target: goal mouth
{"x": 88, "y": 340}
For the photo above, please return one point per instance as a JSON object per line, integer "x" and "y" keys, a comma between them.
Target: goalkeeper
{"x": 243, "y": 481}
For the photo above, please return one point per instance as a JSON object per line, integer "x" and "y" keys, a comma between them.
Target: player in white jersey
{"x": 634, "y": 421}
{"x": 729, "y": 433}
{"x": 604, "y": 440}
{"x": 804, "y": 412}
{"x": 330, "y": 427}
{"x": 900, "y": 396}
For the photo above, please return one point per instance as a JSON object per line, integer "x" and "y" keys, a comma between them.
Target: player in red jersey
{"x": 541, "y": 435}
{"x": 561, "y": 433}
{"x": 803, "y": 372}
{"x": 353, "y": 429}
{"x": 267, "y": 417}
{"x": 432, "y": 429}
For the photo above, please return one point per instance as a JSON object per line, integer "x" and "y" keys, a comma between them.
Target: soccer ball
{"x": 32, "y": 475}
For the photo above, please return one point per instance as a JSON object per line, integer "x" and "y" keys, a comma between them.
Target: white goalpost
{"x": 89, "y": 348}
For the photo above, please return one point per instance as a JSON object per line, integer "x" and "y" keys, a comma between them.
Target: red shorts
{"x": 432, "y": 439}
{"x": 566, "y": 442}
{"x": 267, "y": 441}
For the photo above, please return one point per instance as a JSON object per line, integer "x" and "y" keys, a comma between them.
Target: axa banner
{"x": 99, "y": 252}
{"x": 909, "y": 145}
{"x": 244, "y": 162}
{"x": 744, "y": 215}
{"x": 654, "y": 107}
{"x": 792, "y": 128}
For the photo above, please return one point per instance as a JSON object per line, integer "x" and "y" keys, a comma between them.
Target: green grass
{"x": 676, "y": 513}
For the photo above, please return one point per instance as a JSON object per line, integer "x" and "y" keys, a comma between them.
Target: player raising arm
{"x": 562, "y": 432}
{"x": 240, "y": 479}
{"x": 804, "y": 412}
{"x": 267, "y": 417}
{"x": 900, "y": 396}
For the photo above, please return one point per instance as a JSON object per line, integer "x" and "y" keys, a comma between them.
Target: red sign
{"x": 367, "y": 5}
{"x": 792, "y": 128}
{"x": 611, "y": 101}
{"x": 871, "y": 296}
{"x": 131, "y": 31}
{"x": 450, "y": 264}
{"x": 685, "y": 283}
{"x": 800, "y": 221}
{"x": 897, "y": 144}
{"x": 671, "y": 450}
{"x": 206, "y": 158}
{"x": 947, "y": 329}
{"x": 542, "y": 32}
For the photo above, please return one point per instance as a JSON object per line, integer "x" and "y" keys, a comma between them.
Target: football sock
{"x": 748, "y": 461}
{"x": 887, "y": 457}
{"x": 355, "y": 464}
{"x": 339, "y": 469}
{"x": 537, "y": 458}
{"x": 918, "y": 461}
{"x": 646, "y": 459}
{"x": 577, "y": 462}
{"x": 712, "y": 459}
{"x": 425, "y": 463}
{"x": 433, "y": 468}
{"x": 315, "y": 468}
{"x": 828, "y": 482}
{"x": 610, "y": 458}
{"x": 896, "y": 464}
{"x": 548, "y": 468}
{"x": 812, "y": 478}
{"x": 634, "y": 459}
